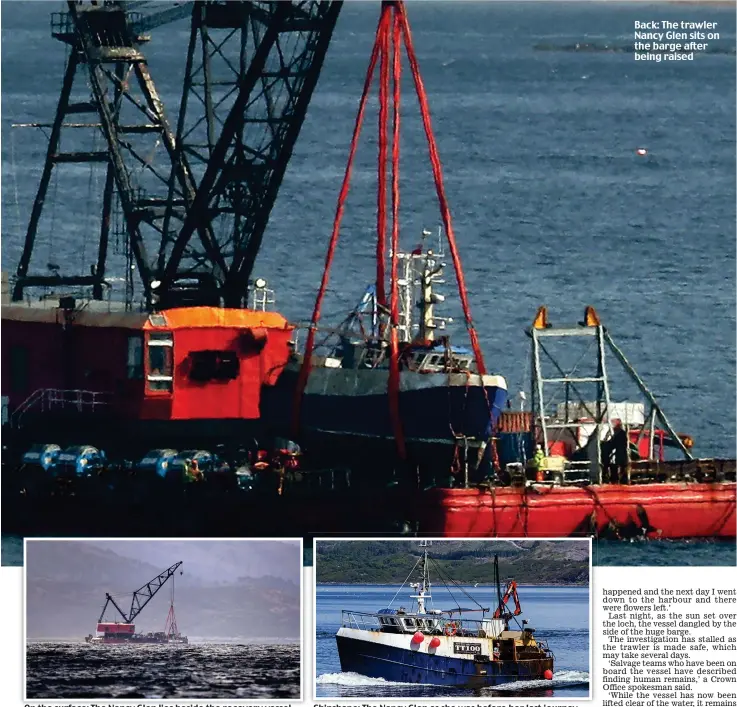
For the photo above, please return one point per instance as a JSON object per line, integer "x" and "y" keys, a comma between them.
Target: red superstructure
{"x": 198, "y": 363}
{"x": 208, "y": 362}
{"x": 116, "y": 628}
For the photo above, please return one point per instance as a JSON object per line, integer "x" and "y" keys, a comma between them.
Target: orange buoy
{"x": 435, "y": 642}
{"x": 641, "y": 151}
{"x": 419, "y": 637}
{"x": 548, "y": 674}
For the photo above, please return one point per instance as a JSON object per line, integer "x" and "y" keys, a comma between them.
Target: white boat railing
{"x": 429, "y": 624}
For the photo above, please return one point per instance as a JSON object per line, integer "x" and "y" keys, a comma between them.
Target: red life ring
{"x": 450, "y": 629}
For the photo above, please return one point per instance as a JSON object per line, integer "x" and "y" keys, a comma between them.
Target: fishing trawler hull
{"x": 380, "y": 657}
{"x": 351, "y": 408}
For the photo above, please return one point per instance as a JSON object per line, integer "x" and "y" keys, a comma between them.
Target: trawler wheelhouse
{"x": 397, "y": 621}
{"x": 427, "y": 357}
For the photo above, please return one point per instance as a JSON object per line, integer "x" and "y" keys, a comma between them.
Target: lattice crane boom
{"x": 141, "y": 596}
{"x": 253, "y": 113}
{"x": 145, "y": 22}
{"x": 194, "y": 203}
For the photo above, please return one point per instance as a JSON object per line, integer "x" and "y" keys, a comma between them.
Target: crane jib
{"x": 192, "y": 216}
{"x": 141, "y": 596}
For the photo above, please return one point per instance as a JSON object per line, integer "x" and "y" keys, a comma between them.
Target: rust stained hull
{"x": 663, "y": 510}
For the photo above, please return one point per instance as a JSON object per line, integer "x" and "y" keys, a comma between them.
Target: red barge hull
{"x": 662, "y": 510}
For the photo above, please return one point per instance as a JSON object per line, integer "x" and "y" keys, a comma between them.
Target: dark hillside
{"x": 527, "y": 562}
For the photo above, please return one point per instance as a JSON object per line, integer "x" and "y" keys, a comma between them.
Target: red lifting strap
{"x": 304, "y": 371}
{"x": 393, "y": 21}
{"x": 383, "y": 41}
{"x": 394, "y": 411}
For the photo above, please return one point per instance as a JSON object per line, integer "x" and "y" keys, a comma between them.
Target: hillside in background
{"x": 216, "y": 596}
{"x": 467, "y": 562}
{"x": 219, "y": 561}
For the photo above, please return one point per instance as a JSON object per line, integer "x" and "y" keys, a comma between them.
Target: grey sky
{"x": 226, "y": 589}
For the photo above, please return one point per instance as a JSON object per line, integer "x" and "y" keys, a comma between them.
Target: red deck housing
{"x": 116, "y": 628}
{"x": 180, "y": 364}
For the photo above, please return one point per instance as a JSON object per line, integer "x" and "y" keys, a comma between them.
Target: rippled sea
{"x": 195, "y": 671}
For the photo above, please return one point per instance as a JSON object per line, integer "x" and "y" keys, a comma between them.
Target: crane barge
{"x": 129, "y": 403}
{"x": 125, "y": 631}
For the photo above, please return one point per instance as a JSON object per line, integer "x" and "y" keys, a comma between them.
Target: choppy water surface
{"x": 559, "y": 615}
{"x": 694, "y": 552}
{"x": 195, "y": 671}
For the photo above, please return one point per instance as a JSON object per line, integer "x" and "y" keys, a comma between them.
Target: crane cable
{"x": 310, "y": 343}
{"x": 393, "y": 12}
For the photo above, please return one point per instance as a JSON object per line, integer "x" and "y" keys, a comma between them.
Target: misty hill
{"x": 67, "y": 581}
{"x": 389, "y": 562}
{"x": 217, "y": 561}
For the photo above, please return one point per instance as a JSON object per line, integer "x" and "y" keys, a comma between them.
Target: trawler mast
{"x": 423, "y": 587}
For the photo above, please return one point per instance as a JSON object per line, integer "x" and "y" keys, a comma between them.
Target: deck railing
{"x": 429, "y": 624}
{"x": 54, "y": 399}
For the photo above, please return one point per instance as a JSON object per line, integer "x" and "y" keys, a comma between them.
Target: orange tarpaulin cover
{"x": 194, "y": 317}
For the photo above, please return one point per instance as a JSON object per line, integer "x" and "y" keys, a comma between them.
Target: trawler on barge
{"x": 443, "y": 647}
{"x": 108, "y": 407}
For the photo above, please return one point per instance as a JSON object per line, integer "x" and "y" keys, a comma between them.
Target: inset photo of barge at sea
{"x": 432, "y": 618}
{"x": 163, "y": 619}
{"x": 314, "y": 268}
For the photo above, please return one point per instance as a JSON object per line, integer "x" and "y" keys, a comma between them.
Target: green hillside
{"x": 389, "y": 562}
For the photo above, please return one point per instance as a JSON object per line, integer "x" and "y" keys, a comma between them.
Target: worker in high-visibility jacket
{"x": 537, "y": 463}
{"x": 537, "y": 460}
{"x": 192, "y": 471}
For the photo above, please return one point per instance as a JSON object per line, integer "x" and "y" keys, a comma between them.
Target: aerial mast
{"x": 423, "y": 586}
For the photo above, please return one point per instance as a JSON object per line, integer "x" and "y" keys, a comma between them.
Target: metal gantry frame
{"x": 116, "y": 89}
{"x": 590, "y": 327}
{"x": 250, "y": 73}
{"x": 141, "y": 596}
{"x": 538, "y": 333}
{"x": 251, "y": 68}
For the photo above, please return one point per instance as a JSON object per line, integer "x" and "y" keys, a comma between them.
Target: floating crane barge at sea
{"x": 124, "y": 632}
{"x": 198, "y": 415}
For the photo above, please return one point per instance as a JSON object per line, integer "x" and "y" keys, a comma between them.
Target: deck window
{"x": 160, "y": 375}
{"x": 135, "y": 357}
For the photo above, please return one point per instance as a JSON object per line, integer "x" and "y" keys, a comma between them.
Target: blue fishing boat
{"x": 444, "y": 647}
